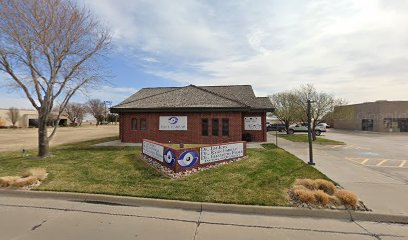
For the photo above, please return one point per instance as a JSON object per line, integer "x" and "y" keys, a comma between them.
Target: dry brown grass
{"x": 307, "y": 183}
{"x": 322, "y": 197}
{"x": 347, "y": 197}
{"x": 325, "y": 186}
{"x": 22, "y": 182}
{"x": 303, "y": 194}
{"x": 7, "y": 181}
{"x": 29, "y": 177}
{"x": 39, "y": 173}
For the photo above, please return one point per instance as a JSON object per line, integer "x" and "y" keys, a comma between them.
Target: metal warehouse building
{"x": 379, "y": 116}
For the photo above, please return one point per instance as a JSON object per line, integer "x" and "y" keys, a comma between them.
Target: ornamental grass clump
{"x": 28, "y": 178}
{"x": 325, "y": 186}
{"x": 347, "y": 197}
{"x": 321, "y": 193}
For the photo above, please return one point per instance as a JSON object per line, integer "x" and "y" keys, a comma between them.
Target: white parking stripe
{"x": 364, "y": 161}
{"x": 402, "y": 163}
{"x": 383, "y": 161}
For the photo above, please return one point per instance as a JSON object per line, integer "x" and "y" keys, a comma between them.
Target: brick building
{"x": 379, "y": 116}
{"x": 194, "y": 114}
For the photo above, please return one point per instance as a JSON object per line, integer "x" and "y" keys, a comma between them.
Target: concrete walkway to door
{"x": 384, "y": 189}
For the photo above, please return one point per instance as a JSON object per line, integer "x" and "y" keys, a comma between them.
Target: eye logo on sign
{"x": 173, "y": 120}
{"x": 169, "y": 157}
{"x": 188, "y": 158}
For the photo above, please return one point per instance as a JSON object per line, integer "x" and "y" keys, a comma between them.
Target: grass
{"x": 262, "y": 179}
{"x": 303, "y": 138}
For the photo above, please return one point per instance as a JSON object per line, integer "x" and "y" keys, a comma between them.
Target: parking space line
{"x": 364, "y": 161}
{"x": 380, "y": 163}
{"x": 402, "y": 163}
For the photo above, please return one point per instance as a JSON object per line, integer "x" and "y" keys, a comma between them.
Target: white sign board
{"x": 221, "y": 152}
{"x": 173, "y": 123}
{"x": 153, "y": 150}
{"x": 253, "y": 123}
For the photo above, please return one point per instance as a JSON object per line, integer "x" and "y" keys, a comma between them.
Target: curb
{"x": 211, "y": 207}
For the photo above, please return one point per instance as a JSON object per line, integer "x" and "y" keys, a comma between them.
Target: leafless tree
{"x": 13, "y": 115}
{"x": 322, "y": 104}
{"x": 286, "y": 108}
{"x": 50, "y": 49}
{"x": 97, "y": 109}
{"x": 75, "y": 112}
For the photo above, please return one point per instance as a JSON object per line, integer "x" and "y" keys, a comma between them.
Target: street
{"x": 373, "y": 165}
{"x": 39, "y": 219}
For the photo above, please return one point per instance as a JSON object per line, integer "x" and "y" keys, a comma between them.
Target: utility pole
{"x": 309, "y": 132}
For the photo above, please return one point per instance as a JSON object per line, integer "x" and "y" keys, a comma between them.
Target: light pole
{"x": 106, "y": 112}
{"x": 309, "y": 132}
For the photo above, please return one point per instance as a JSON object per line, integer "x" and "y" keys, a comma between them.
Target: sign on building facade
{"x": 173, "y": 123}
{"x": 252, "y": 123}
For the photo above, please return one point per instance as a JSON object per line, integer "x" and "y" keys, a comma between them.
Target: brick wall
{"x": 193, "y": 132}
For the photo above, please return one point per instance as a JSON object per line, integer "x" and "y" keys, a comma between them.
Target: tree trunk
{"x": 314, "y": 133}
{"x": 43, "y": 144}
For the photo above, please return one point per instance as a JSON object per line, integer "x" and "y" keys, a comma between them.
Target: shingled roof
{"x": 195, "y": 98}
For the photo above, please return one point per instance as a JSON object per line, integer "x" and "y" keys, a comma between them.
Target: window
{"x": 215, "y": 127}
{"x": 204, "y": 127}
{"x": 134, "y": 124}
{"x": 225, "y": 127}
{"x": 143, "y": 124}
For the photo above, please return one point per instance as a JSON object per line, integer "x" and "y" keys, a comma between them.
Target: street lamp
{"x": 309, "y": 132}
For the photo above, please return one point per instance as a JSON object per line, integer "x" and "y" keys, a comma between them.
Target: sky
{"x": 355, "y": 50}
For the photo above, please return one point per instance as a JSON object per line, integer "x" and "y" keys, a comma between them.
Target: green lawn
{"x": 303, "y": 138}
{"x": 263, "y": 178}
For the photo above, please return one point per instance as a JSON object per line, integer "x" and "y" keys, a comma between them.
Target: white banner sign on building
{"x": 173, "y": 123}
{"x": 221, "y": 152}
{"x": 253, "y": 123}
{"x": 153, "y": 150}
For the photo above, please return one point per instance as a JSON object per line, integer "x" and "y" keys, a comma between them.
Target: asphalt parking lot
{"x": 373, "y": 165}
{"x": 381, "y": 152}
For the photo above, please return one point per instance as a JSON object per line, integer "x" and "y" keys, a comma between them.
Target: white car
{"x": 302, "y": 127}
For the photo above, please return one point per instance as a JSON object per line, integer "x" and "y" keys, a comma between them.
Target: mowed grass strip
{"x": 262, "y": 179}
{"x": 303, "y": 138}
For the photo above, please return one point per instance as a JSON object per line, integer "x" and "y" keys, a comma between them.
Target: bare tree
{"x": 13, "y": 115}
{"x": 75, "y": 112}
{"x": 50, "y": 49}
{"x": 322, "y": 104}
{"x": 286, "y": 108}
{"x": 97, "y": 109}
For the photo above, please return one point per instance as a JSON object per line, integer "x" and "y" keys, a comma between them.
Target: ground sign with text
{"x": 181, "y": 159}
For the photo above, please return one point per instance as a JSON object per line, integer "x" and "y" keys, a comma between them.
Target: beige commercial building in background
{"x": 379, "y": 116}
{"x": 28, "y": 118}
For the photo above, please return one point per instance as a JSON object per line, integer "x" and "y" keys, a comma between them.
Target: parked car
{"x": 275, "y": 127}
{"x": 302, "y": 127}
{"x": 324, "y": 125}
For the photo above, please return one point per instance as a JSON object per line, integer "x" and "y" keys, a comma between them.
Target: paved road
{"x": 371, "y": 164}
{"x": 39, "y": 219}
{"x": 27, "y": 138}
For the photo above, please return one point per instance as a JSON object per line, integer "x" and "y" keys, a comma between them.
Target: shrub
{"x": 39, "y": 173}
{"x": 347, "y": 197}
{"x": 321, "y": 197}
{"x": 325, "y": 186}
{"x": 21, "y": 182}
{"x": 307, "y": 183}
{"x": 303, "y": 195}
{"x": 7, "y": 181}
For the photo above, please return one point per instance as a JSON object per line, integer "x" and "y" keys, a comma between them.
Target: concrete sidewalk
{"x": 383, "y": 193}
{"x": 33, "y": 218}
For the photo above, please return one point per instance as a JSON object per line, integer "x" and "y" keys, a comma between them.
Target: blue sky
{"x": 355, "y": 50}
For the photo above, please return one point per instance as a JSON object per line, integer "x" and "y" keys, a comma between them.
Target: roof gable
{"x": 240, "y": 97}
